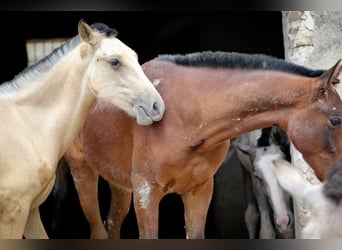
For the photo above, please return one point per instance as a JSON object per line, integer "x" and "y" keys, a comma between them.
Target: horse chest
{"x": 190, "y": 169}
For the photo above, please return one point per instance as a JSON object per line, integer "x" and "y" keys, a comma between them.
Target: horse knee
{"x": 11, "y": 208}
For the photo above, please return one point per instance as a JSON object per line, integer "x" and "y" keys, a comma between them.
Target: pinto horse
{"x": 269, "y": 210}
{"x": 323, "y": 200}
{"x": 43, "y": 108}
{"x": 210, "y": 98}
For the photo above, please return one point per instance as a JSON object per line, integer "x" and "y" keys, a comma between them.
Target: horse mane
{"x": 234, "y": 60}
{"x": 104, "y": 29}
{"x": 46, "y": 63}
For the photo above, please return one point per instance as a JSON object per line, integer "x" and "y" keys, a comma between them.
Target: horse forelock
{"x": 234, "y": 60}
{"x": 42, "y": 66}
{"x": 104, "y": 29}
{"x": 264, "y": 139}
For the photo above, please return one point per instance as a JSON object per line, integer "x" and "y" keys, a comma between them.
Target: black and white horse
{"x": 269, "y": 211}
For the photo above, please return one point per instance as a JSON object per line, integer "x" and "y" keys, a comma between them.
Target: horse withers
{"x": 211, "y": 97}
{"x": 43, "y": 108}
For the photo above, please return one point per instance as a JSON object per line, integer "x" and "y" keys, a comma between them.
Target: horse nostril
{"x": 155, "y": 106}
{"x": 289, "y": 220}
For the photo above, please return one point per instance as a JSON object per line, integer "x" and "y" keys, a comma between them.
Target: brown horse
{"x": 210, "y": 98}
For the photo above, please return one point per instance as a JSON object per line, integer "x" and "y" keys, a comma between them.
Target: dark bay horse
{"x": 210, "y": 97}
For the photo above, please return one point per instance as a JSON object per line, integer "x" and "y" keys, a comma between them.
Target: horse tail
{"x": 60, "y": 189}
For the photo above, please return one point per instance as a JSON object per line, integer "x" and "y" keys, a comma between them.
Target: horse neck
{"x": 56, "y": 104}
{"x": 249, "y": 100}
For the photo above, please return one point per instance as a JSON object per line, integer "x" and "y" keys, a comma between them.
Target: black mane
{"x": 220, "y": 59}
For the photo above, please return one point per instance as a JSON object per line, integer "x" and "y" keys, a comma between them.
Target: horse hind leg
{"x": 119, "y": 208}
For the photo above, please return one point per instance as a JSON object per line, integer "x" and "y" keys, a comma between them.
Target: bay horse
{"x": 269, "y": 210}
{"x": 210, "y": 98}
{"x": 43, "y": 108}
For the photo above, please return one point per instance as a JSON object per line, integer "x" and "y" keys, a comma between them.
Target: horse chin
{"x": 142, "y": 117}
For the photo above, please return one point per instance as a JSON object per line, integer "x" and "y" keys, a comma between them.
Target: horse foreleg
{"x": 86, "y": 184}
{"x": 119, "y": 208}
{"x": 34, "y": 228}
{"x": 196, "y": 205}
{"x": 13, "y": 217}
{"x": 146, "y": 198}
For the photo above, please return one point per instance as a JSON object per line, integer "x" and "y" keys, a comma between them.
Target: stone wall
{"x": 312, "y": 39}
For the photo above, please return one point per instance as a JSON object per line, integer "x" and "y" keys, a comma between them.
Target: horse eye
{"x": 115, "y": 62}
{"x": 335, "y": 121}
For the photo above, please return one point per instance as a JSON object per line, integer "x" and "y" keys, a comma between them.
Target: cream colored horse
{"x": 43, "y": 109}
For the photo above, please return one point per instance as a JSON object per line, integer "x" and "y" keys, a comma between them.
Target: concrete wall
{"x": 312, "y": 39}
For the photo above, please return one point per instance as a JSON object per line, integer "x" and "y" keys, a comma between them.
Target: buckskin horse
{"x": 43, "y": 108}
{"x": 210, "y": 98}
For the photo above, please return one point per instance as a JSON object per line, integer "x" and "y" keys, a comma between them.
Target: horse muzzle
{"x": 146, "y": 115}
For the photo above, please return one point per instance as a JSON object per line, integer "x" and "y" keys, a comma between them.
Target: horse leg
{"x": 86, "y": 184}
{"x": 119, "y": 208}
{"x": 13, "y": 217}
{"x": 146, "y": 199}
{"x": 34, "y": 228}
{"x": 196, "y": 205}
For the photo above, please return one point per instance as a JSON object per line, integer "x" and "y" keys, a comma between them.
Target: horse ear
{"x": 331, "y": 75}
{"x": 244, "y": 148}
{"x": 86, "y": 32}
{"x": 246, "y": 154}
